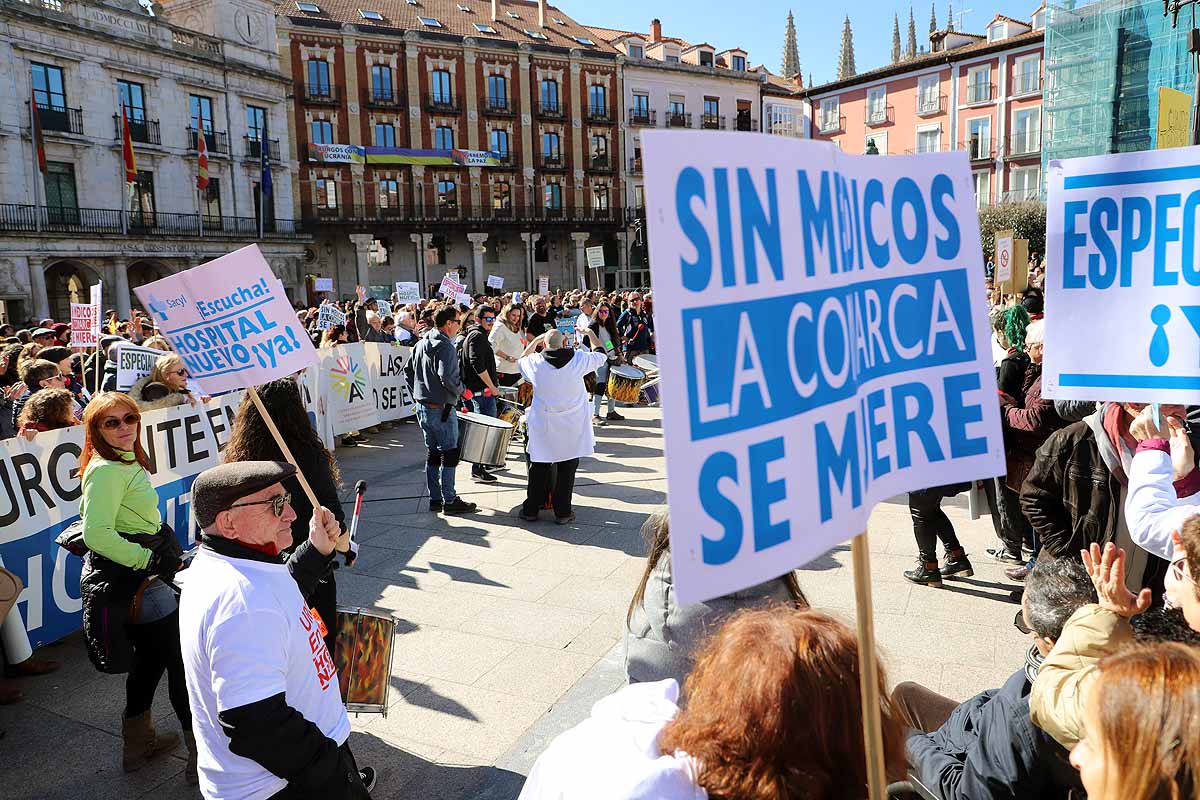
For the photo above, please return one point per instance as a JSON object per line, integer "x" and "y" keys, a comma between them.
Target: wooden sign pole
{"x": 868, "y": 669}
{"x": 343, "y": 542}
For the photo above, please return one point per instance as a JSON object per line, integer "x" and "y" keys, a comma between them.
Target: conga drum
{"x": 625, "y": 383}
{"x": 365, "y": 643}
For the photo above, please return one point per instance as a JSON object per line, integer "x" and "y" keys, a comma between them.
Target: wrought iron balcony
{"x": 880, "y": 116}
{"x": 73, "y": 221}
{"x": 931, "y": 106}
{"x": 550, "y": 109}
{"x": 643, "y": 116}
{"x": 442, "y": 103}
{"x": 1020, "y": 145}
{"x": 322, "y": 93}
{"x": 145, "y": 131}
{"x": 599, "y": 113}
{"x": 712, "y": 122}
{"x": 383, "y": 97}
{"x": 60, "y": 119}
{"x": 499, "y": 107}
{"x": 217, "y": 141}
{"x": 254, "y": 148}
{"x": 680, "y": 119}
{"x": 978, "y": 93}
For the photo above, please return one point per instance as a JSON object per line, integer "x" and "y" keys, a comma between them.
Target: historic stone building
{"x": 184, "y": 69}
{"x": 434, "y": 135}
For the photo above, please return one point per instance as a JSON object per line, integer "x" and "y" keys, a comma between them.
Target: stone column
{"x": 580, "y": 146}
{"x": 362, "y": 252}
{"x": 477, "y": 280}
{"x": 530, "y": 240}
{"x": 120, "y": 268}
{"x": 472, "y": 94}
{"x": 580, "y": 238}
{"x": 420, "y": 242}
{"x": 37, "y": 287}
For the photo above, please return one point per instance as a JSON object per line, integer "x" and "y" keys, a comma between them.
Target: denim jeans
{"x": 441, "y": 440}
{"x": 487, "y": 407}
{"x": 601, "y": 382}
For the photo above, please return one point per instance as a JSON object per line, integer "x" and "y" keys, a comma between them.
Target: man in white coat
{"x": 559, "y": 422}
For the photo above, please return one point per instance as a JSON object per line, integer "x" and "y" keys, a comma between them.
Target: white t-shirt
{"x": 246, "y": 635}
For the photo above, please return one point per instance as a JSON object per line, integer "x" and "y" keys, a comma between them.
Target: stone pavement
{"x": 509, "y": 631}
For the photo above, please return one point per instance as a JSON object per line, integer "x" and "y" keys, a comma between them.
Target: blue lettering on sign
{"x": 745, "y": 370}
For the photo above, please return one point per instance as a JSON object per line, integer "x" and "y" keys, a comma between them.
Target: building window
{"x": 439, "y": 81}
{"x": 319, "y": 84}
{"x": 599, "y": 151}
{"x": 202, "y": 113}
{"x": 443, "y": 138}
{"x": 550, "y": 147}
{"x": 739, "y": 63}
{"x": 497, "y": 86}
{"x": 256, "y": 121}
{"x": 388, "y": 193}
{"x": 501, "y": 195}
{"x": 322, "y": 131}
{"x": 641, "y": 106}
{"x": 143, "y": 197}
{"x": 875, "y": 144}
{"x": 979, "y": 142}
{"x": 831, "y": 118}
{"x": 1024, "y": 184}
{"x": 600, "y": 198}
{"x": 133, "y": 97}
{"x": 637, "y": 51}
{"x": 983, "y": 188}
{"x": 706, "y": 58}
{"x": 326, "y": 193}
{"x": 381, "y": 83}
{"x": 782, "y": 120}
{"x": 60, "y": 189}
{"x": 598, "y": 100}
{"x": 549, "y": 95}
{"x": 675, "y": 107}
{"x": 928, "y": 100}
{"x": 876, "y": 105}
{"x": 671, "y": 57}
{"x": 1027, "y": 76}
{"x": 499, "y": 144}
{"x": 1026, "y": 135}
{"x": 212, "y": 200}
{"x": 385, "y": 135}
{"x": 929, "y": 140}
{"x": 552, "y": 196}
{"x": 447, "y": 193}
{"x": 48, "y": 88}
{"x": 979, "y": 84}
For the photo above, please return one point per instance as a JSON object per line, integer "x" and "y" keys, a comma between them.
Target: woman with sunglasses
{"x": 251, "y": 440}
{"x": 605, "y": 327}
{"x": 130, "y": 616}
{"x": 507, "y": 343}
{"x": 169, "y": 373}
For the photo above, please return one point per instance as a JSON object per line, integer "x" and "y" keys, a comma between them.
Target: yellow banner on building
{"x": 1174, "y": 118}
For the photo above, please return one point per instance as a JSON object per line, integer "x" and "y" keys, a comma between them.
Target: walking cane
{"x": 350, "y": 555}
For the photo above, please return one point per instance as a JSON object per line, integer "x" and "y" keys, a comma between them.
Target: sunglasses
{"x": 604, "y": 312}
{"x": 183, "y": 373}
{"x": 278, "y": 503}
{"x": 487, "y": 319}
{"x": 1019, "y": 624}
{"x": 113, "y": 423}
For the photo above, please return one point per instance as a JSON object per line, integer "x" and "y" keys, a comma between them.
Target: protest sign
{"x": 380, "y": 292}
{"x": 462, "y": 299}
{"x": 383, "y": 308}
{"x": 328, "y": 315}
{"x": 322, "y": 284}
{"x": 133, "y": 364}
{"x": 408, "y": 291}
{"x": 1174, "y": 116}
{"x": 1004, "y": 255}
{"x": 39, "y": 498}
{"x": 1122, "y": 304}
{"x": 495, "y": 281}
{"x": 595, "y": 257}
{"x": 516, "y": 298}
{"x": 566, "y": 326}
{"x": 363, "y": 384}
{"x": 230, "y": 321}
{"x": 85, "y": 325}
{"x": 451, "y": 287}
{"x": 822, "y": 340}
{"x": 543, "y": 285}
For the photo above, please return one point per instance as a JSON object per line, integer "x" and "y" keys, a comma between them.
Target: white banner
{"x": 1122, "y": 278}
{"x": 823, "y": 344}
{"x": 133, "y": 364}
{"x": 329, "y": 315}
{"x": 363, "y": 384}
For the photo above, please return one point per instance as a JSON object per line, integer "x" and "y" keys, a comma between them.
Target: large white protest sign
{"x": 363, "y": 384}
{"x": 823, "y": 344}
{"x": 85, "y": 325}
{"x": 543, "y": 285}
{"x": 462, "y": 299}
{"x": 230, "y": 321}
{"x": 329, "y": 315}
{"x": 133, "y": 364}
{"x": 383, "y": 308}
{"x": 495, "y": 281}
{"x": 451, "y": 287}
{"x": 322, "y": 284}
{"x": 1123, "y": 278}
{"x": 408, "y": 291}
{"x": 595, "y": 257}
{"x": 39, "y": 497}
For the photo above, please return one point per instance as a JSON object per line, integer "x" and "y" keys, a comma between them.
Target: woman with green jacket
{"x": 130, "y": 616}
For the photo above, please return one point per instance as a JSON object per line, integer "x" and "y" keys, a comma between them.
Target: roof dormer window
{"x": 535, "y": 34}
{"x": 585, "y": 41}
{"x": 483, "y": 27}
{"x": 429, "y": 22}
{"x": 559, "y": 21}
{"x": 995, "y": 32}
{"x": 464, "y": 9}
{"x": 309, "y": 8}
{"x": 513, "y": 15}
{"x": 374, "y": 16}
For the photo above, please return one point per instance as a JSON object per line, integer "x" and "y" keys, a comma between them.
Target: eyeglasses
{"x": 1180, "y": 570}
{"x": 278, "y": 503}
{"x": 113, "y": 423}
{"x": 604, "y": 312}
{"x": 487, "y": 319}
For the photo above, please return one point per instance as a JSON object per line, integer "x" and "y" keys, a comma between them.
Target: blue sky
{"x": 757, "y": 26}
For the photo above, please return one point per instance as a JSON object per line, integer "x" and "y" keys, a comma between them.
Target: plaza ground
{"x": 508, "y": 631}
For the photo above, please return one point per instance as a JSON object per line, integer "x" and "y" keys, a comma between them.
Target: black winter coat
{"x": 989, "y": 748}
{"x": 478, "y": 358}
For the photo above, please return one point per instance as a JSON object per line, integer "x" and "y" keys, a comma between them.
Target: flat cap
{"x": 42, "y": 332}
{"x": 216, "y": 489}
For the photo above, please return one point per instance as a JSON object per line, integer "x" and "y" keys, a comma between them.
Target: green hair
{"x": 1016, "y": 320}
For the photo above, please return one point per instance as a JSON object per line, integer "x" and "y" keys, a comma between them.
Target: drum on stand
{"x": 625, "y": 383}
{"x": 509, "y": 410}
{"x": 650, "y": 394}
{"x": 482, "y": 439}
{"x": 365, "y": 644}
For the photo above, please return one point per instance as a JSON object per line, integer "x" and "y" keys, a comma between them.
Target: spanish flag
{"x": 127, "y": 148}
{"x": 39, "y": 145}
{"x": 202, "y": 169}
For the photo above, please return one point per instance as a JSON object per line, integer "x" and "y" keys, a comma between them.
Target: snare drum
{"x": 365, "y": 643}
{"x": 509, "y": 411}
{"x": 650, "y": 393}
{"x": 625, "y": 383}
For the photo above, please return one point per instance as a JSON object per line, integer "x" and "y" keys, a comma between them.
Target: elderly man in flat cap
{"x": 266, "y": 708}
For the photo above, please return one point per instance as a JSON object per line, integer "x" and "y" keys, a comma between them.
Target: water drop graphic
{"x": 1160, "y": 345}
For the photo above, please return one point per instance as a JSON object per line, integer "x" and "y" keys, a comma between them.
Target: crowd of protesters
{"x": 751, "y": 695}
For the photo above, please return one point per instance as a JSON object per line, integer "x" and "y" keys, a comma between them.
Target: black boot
{"x": 957, "y": 565}
{"x": 926, "y": 573}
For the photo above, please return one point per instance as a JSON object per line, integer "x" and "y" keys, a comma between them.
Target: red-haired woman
{"x": 130, "y": 617}
{"x": 772, "y": 710}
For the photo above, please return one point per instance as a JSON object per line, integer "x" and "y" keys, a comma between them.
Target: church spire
{"x": 791, "y": 55}
{"x": 912, "y": 34}
{"x": 897, "y": 55}
{"x": 846, "y": 67}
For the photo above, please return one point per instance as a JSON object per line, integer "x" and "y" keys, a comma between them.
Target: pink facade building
{"x": 981, "y": 93}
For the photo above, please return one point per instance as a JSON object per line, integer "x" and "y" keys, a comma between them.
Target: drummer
{"x": 479, "y": 374}
{"x": 604, "y": 328}
{"x": 557, "y": 424}
{"x": 266, "y": 710}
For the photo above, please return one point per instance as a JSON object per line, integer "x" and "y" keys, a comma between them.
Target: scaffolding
{"x": 1104, "y": 64}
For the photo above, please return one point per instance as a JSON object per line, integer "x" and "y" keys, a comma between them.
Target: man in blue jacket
{"x": 988, "y": 747}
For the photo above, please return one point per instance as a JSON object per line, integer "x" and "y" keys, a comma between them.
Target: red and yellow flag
{"x": 202, "y": 168}
{"x": 127, "y": 148}
{"x": 39, "y": 145}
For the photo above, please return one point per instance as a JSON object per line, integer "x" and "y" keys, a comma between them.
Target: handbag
{"x": 71, "y": 539}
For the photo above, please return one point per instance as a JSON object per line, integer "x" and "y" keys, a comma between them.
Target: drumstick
{"x": 350, "y": 555}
